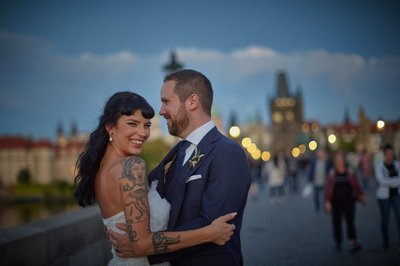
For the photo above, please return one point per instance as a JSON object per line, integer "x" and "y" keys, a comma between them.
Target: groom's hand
{"x": 121, "y": 242}
{"x": 222, "y": 229}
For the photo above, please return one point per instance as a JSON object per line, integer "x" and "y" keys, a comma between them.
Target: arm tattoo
{"x": 133, "y": 170}
{"x": 131, "y": 233}
{"x": 161, "y": 242}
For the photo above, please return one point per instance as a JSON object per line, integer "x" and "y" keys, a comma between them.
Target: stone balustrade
{"x": 72, "y": 238}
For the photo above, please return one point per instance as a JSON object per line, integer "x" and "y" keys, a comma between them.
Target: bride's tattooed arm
{"x": 136, "y": 205}
{"x": 140, "y": 241}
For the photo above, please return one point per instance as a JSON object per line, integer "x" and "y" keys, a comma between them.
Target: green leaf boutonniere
{"x": 195, "y": 159}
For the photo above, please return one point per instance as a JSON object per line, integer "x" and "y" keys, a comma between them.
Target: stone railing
{"x": 72, "y": 238}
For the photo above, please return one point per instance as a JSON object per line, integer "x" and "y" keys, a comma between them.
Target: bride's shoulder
{"x": 131, "y": 161}
{"x": 132, "y": 168}
{"x": 127, "y": 163}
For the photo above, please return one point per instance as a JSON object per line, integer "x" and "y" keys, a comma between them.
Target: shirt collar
{"x": 198, "y": 134}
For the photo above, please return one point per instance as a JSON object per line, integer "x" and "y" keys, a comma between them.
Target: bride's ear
{"x": 108, "y": 128}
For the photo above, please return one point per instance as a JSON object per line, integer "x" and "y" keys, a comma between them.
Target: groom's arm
{"x": 227, "y": 187}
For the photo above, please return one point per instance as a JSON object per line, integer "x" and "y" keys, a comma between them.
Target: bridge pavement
{"x": 292, "y": 233}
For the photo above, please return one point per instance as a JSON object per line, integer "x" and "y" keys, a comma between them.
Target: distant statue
{"x": 173, "y": 65}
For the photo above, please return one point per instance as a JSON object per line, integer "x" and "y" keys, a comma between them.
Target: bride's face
{"x": 130, "y": 133}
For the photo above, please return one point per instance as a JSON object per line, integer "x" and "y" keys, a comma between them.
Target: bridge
{"x": 286, "y": 232}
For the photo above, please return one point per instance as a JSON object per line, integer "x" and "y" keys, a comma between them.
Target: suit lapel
{"x": 160, "y": 172}
{"x": 205, "y": 146}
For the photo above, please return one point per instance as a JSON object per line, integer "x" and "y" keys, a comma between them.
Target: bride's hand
{"x": 221, "y": 230}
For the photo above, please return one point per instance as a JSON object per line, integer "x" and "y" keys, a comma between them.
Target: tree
{"x": 153, "y": 152}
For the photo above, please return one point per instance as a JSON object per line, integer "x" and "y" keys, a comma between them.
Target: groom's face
{"x": 173, "y": 109}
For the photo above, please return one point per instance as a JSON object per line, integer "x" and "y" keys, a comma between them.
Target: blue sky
{"x": 61, "y": 60}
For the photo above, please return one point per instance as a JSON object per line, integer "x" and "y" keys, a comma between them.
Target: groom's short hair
{"x": 189, "y": 81}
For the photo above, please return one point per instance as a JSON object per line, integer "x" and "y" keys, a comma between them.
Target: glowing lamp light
{"x": 302, "y": 148}
{"x": 380, "y": 124}
{"x": 256, "y": 154}
{"x": 252, "y": 148}
{"x": 246, "y": 142}
{"x": 295, "y": 152}
{"x": 332, "y": 138}
{"x": 234, "y": 131}
{"x": 305, "y": 128}
{"x": 312, "y": 145}
{"x": 314, "y": 127}
{"x": 265, "y": 156}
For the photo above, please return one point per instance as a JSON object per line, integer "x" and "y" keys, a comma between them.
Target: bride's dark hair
{"x": 88, "y": 163}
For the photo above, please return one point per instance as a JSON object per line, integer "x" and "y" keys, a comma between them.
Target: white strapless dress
{"x": 159, "y": 215}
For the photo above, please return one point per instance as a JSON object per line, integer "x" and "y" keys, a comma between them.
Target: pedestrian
{"x": 292, "y": 170}
{"x": 342, "y": 190}
{"x": 317, "y": 174}
{"x": 388, "y": 192}
{"x": 209, "y": 177}
{"x": 365, "y": 168}
{"x": 275, "y": 170}
{"x": 255, "y": 170}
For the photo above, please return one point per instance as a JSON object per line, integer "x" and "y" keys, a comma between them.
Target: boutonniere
{"x": 196, "y": 158}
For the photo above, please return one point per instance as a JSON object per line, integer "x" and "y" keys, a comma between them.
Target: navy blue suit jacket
{"x": 221, "y": 189}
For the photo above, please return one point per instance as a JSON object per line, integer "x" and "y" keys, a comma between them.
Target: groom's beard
{"x": 180, "y": 124}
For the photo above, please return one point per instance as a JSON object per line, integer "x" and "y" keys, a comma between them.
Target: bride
{"x": 111, "y": 173}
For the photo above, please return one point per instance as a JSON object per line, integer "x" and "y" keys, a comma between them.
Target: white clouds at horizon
{"x": 50, "y": 86}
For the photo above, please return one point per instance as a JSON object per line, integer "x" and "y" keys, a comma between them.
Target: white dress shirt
{"x": 195, "y": 137}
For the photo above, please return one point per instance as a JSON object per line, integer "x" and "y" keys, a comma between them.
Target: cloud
{"x": 340, "y": 71}
{"x": 37, "y": 78}
{"x": 331, "y": 81}
{"x": 105, "y": 66}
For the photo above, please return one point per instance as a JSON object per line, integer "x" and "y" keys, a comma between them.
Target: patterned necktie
{"x": 175, "y": 167}
{"x": 180, "y": 155}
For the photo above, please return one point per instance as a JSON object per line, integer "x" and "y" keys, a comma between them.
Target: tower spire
{"x": 282, "y": 85}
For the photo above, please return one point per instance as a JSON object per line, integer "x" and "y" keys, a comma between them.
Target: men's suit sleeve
{"x": 227, "y": 186}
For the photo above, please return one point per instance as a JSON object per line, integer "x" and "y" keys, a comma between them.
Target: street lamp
{"x": 380, "y": 125}
{"x": 332, "y": 138}
{"x": 312, "y": 145}
{"x": 234, "y": 131}
{"x": 246, "y": 142}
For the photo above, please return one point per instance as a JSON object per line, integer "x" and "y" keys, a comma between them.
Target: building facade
{"x": 286, "y": 116}
{"x": 44, "y": 161}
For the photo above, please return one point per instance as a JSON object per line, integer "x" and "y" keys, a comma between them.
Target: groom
{"x": 211, "y": 180}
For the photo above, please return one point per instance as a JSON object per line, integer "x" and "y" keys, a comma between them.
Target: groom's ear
{"x": 193, "y": 102}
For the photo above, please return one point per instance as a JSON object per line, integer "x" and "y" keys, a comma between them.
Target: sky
{"x": 61, "y": 60}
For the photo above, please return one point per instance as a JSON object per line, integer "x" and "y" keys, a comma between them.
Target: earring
{"x": 111, "y": 139}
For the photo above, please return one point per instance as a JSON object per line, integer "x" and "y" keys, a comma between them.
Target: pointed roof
{"x": 74, "y": 129}
{"x": 60, "y": 129}
{"x": 361, "y": 112}
{"x": 233, "y": 119}
{"x": 346, "y": 116}
{"x": 282, "y": 85}
{"x": 299, "y": 93}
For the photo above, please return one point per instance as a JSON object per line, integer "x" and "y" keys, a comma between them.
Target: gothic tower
{"x": 287, "y": 116}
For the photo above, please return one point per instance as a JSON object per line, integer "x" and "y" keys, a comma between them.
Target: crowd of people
{"x": 336, "y": 181}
